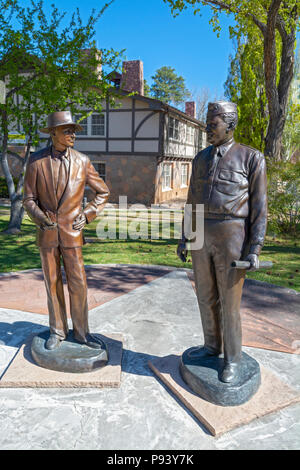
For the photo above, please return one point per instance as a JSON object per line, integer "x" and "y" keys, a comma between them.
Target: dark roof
{"x": 114, "y": 76}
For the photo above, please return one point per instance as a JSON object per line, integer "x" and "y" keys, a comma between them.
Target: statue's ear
{"x": 230, "y": 127}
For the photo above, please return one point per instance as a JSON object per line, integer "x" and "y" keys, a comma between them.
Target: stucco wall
{"x": 132, "y": 176}
{"x": 177, "y": 192}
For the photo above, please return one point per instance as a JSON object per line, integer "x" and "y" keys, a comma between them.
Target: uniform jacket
{"x": 232, "y": 186}
{"x": 40, "y": 197}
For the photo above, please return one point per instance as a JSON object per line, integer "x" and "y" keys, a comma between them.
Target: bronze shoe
{"x": 230, "y": 372}
{"x": 201, "y": 352}
{"x": 53, "y": 342}
{"x": 91, "y": 341}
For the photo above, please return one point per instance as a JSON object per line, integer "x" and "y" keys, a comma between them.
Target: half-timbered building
{"x": 143, "y": 148}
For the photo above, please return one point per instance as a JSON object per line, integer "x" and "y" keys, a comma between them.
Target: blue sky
{"x": 149, "y": 32}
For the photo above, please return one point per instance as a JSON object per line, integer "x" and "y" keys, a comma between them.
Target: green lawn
{"x": 20, "y": 252}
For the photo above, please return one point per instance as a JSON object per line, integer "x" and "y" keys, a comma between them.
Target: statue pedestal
{"x": 202, "y": 376}
{"x": 272, "y": 395}
{"x": 24, "y": 372}
{"x": 70, "y": 356}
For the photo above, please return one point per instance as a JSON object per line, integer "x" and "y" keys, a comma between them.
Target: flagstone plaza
{"x": 155, "y": 310}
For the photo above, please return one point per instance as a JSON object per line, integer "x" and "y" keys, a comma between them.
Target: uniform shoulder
{"x": 252, "y": 150}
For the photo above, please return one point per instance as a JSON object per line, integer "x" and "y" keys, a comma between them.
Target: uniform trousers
{"x": 77, "y": 287}
{"x": 219, "y": 285}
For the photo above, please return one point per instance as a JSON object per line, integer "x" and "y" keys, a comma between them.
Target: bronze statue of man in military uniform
{"x": 229, "y": 180}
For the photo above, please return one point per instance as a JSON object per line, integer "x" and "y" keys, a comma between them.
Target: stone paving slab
{"x": 142, "y": 413}
{"x": 273, "y": 395}
{"x": 24, "y": 372}
{"x": 25, "y": 290}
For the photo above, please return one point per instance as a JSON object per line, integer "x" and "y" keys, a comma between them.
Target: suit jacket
{"x": 40, "y": 198}
{"x": 232, "y": 186}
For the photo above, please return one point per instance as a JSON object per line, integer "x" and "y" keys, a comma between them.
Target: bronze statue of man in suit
{"x": 54, "y": 186}
{"x": 229, "y": 180}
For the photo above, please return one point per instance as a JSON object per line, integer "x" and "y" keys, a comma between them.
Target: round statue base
{"x": 70, "y": 356}
{"x": 202, "y": 375}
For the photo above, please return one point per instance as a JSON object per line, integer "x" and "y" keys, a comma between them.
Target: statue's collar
{"x": 223, "y": 148}
{"x": 57, "y": 154}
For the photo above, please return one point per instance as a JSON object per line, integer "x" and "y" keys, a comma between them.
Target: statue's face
{"x": 64, "y": 137}
{"x": 217, "y": 130}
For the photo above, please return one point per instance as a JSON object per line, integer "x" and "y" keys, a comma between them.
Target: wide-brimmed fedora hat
{"x": 60, "y": 118}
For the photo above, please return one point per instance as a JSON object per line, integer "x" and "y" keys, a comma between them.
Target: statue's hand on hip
{"x": 182, "y": 250}
{"x": 79, "y": 222}
{"x": 47, "y": 224}
{"x": 254, "y": 262}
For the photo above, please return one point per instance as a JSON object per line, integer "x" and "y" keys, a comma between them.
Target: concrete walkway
{"x": 156, "y": 311}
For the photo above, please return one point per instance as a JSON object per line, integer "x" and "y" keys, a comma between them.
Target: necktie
{"x": 216, "y": 152}
{"x": 62, "y": 177}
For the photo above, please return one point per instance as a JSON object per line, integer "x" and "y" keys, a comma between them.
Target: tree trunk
{"x": 4, "y": 162}
{"x": 278, "y": 99}
{"x": 16, "y": 217}
{"x": 273, "y": 141}
{"x": 277, "y": 96}
{"x": 15, "y": 194}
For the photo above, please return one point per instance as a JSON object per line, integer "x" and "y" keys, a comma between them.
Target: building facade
{"x": 142, "y": 147}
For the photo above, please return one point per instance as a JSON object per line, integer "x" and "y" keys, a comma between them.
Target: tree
{"x": 147, "y": 91}
{"x": 46, "y": 68}
{"x": 291, "y": 134}
{"x": 202, "y": 97}
{"x": 245, "y": 86}
{"x": 169, "y": 87}
{"x": 273, "y": 18}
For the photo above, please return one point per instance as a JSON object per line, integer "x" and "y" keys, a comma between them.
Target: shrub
{"x": 284, "y": 197}
{"x": 4, "y": 188}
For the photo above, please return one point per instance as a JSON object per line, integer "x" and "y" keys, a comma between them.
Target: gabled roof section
{"x": 161, "y": 106}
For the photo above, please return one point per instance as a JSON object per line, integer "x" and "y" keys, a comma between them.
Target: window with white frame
{"x": 167, "y": 176}
{"x": 184, "y": 174}
{"x": 101, "y": 169}
{"x": 93, "y": 125}
{"x": 98, "y": 124}
{"x": 83, "y": 123}
{"x": 190, "y": 133}
{"x": 202, "y": 139}
{"x": 181, "y": 131}
{"x": 173, "y": 128}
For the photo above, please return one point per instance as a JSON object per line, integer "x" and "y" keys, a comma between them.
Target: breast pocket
{"x": 231, "y": 182}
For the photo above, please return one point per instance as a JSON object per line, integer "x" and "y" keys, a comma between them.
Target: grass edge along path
{"x": 18, "y": 253}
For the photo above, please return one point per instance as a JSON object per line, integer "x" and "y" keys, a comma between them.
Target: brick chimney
{"x": 190, "y": 109}
{"x": 133, "y": 76}
{"x": 86, "y": 54}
